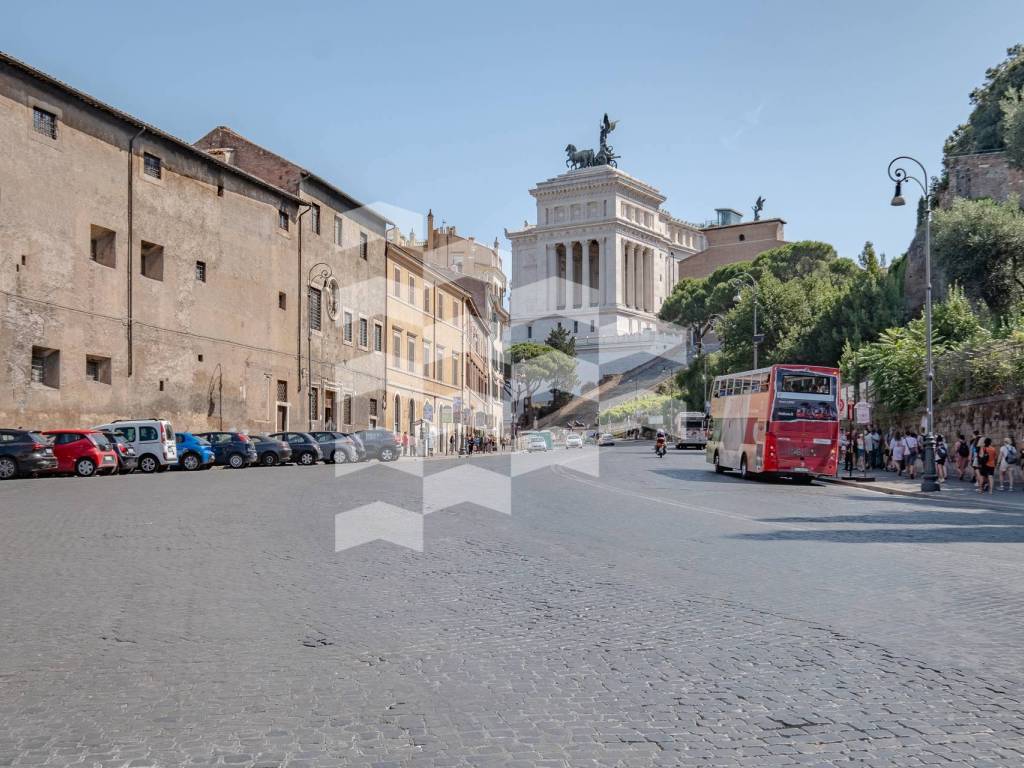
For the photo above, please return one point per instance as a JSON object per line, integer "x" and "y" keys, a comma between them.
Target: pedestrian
{"x": 1009, "y": 460}
{"x": 405, "y": 443}
{"x": 941, "y": 454}
{"x": 876, "y": 453}
{"x": 898, "y": 451}
{"x": 469, "y": 446}
{"x": 451, "y": 443}
{"x": 987, "y": 457}
{"x": 861, "y": 448}
{"x": 913, "y": 451}
{"x": 963, "y": 455}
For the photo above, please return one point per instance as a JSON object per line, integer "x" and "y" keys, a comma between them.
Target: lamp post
{"x": 751, "y": 283}
{"x": 929, "y": 480}
{"x": 324, "y": 275}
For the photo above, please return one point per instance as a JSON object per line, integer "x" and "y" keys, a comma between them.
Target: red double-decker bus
{"x": 782, "y": 420}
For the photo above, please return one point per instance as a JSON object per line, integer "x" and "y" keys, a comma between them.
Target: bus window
{"x": 746, "y": 385}
{"x": 805, "y": 383}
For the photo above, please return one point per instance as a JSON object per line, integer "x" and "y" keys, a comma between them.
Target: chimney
{"x": 430, "y": 230}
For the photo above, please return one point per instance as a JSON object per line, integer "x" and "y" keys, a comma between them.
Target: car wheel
{"x": 307, "y": 458}
{"x": 236, "y": 461}
{"x": 719, "y": 469}
{"x": 386, "y": 454}
{"x": 85, "y": 467}
{"x": 743, "y": 467}
{"x": 340, "y": 458}
{"x": 8, "y": 468}
{"x": 148, "y": 464}
{"x": 190, "y": 462}
{"x": 268, "y": 459}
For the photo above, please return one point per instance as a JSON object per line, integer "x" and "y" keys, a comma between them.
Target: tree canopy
{"x": 984, "y": 129}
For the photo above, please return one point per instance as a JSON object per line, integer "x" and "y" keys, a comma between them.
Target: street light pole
{"x": 751, "y": 283}
{"x": 929, "y": 480}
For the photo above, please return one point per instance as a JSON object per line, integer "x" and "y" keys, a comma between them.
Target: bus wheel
{"x": 743, "y": 467}
{"x": 719, "y": 469}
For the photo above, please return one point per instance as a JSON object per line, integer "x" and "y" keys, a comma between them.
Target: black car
{"x": 24, "y": 453}
{"x": 305, "y": 448}
{"x": 233, "y": 449}
{"x": 380, "y": 444}
{"x": 337, "y": 447}
{"x": 127, "y": 459}
{"x": 271, "y": 450}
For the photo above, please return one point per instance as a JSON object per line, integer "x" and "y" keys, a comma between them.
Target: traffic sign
{"x": 863, "y": 411}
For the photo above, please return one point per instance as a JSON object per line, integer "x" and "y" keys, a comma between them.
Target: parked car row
{"x": 152, "y": 445}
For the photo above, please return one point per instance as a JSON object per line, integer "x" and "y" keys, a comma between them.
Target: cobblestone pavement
{"x": 655, "y": 615}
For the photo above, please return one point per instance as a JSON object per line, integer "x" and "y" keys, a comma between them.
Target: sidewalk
{"x": 953, "y": 491}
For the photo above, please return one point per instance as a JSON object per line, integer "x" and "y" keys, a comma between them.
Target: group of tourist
{"x": 976, "y": 459}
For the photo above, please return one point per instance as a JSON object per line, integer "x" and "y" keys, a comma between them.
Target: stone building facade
{"x": 142, "y": 276}
{"x": 731, "y": 243}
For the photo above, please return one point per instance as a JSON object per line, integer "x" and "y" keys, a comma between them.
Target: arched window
{"x": 398, "y": 414}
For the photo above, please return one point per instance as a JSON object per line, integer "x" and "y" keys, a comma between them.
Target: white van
{"x": 152, "y": 439}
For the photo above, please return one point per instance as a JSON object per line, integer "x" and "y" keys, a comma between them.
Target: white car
{"x": 606, "y": 439}
{"x": 573, "y": 441}
{"x": 152, "y": 439}
{"x": 536, "y": 443}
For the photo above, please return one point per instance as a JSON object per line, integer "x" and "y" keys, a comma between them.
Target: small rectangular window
{"x": 455, "y": 368}
{"x": 152, "y": 165}
{"x": 282, "y": 391}
{"x": 347, "y": 409}
{"x": 575, "y": 326}
{"x": 378, "y": 337}
{"x": 426, "y": 298}
{"x": 152, "y": 261}
{"x": 396, "y": 349}
{"x": 282, "y": 300}
{"x": 44, "y": 122}
{"x": 439, "y": 363}
{"x": 426, "y": 359}
{"x": 363, "y": 332}
{"x": 529, "y": 331}
{"x": 337, "y": 230}
{"x": 282, "y": 220}
{"x": 364, "y": 245}
{"x": 314, "y": 218}
{"x": 201, "y": 271}
{"x": 97, "y": 369}
{"x": 410, "y": 348}
{"x": 440, "y": 305}
{"x": 373, "y": 406}
{"x": 396, "y": 287}
{"x": 102, "y": 246}
{"x": 347, "y": 326}
{"x": 46, "y": 366}
{"x": 411, "y": 298}
{"x": 314, "y": 402}
{"x": 314, "y": 308}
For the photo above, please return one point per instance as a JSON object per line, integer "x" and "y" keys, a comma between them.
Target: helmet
{"x": 661, "y": 433}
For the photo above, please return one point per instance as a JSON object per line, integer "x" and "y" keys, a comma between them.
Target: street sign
{"x": 863, "y": 411}
{"x": 446, "y": 414}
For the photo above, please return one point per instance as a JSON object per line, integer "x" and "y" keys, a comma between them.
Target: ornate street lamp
{"x": 929, "y": 480}
{"x": 751, "y": 283}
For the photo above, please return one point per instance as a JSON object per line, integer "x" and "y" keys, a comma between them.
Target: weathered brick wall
{"x": 996, "y": 417}
{"x": 986, "y": 175}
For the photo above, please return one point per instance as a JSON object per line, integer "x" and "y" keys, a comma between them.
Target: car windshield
{"x": 39, "y": 438}
{"x": 100, "y": 442}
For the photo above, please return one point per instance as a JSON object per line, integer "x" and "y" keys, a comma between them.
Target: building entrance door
{"x": 330, "y": 422}
{"x": 282, "y": 418}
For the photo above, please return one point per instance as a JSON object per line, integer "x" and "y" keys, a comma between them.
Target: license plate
{"x": 822, "y": 441}
{"x": 800, "y": 469}
{"x": 108, "y": 459}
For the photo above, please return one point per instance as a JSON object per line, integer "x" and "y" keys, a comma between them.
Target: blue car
{"x": 193, "y": 452}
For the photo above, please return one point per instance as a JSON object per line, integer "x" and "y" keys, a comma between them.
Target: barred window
{"x": 348, "y": 327}
{"x": 44, "y": 122}
{"x": 373, "y": 406}
{"x": 378, "y": 337}
{"x": 314, "y": 218}
{"x": 363, "y": 332}
{"x": 426, "y": 359}
{"x": 314, "y": 402}
{"x": 337, "y": 230}
{"x": 201, "y": 271}
{"x": 282, "y": 390}
{"x": 396, "y": 348}
{"x": 347, "y": 409}
{"x": 314, "y": 308}
{"x": 364, "y": 245}
{"x": 152, "y": 165}
{"x": 282, "y": 219}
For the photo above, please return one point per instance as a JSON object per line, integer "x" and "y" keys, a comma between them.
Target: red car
{"x": 85, "y": 452}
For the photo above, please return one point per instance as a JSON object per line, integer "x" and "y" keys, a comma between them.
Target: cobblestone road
{"x": 655, "y": 615}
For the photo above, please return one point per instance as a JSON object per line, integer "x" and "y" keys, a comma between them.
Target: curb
{"x": 939, "y": 499}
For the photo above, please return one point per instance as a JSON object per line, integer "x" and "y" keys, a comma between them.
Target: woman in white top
{"x": 912, "y": 453}
{"x": 898, "y": 449}
{"x": 1007, "y": 463}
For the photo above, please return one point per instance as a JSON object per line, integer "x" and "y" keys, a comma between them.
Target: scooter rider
{"x": 659, "y": 444}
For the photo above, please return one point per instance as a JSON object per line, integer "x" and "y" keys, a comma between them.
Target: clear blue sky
{"x": 463, "y": 107}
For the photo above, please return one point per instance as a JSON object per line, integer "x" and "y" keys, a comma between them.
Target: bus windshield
{"x": 805, "y": 396}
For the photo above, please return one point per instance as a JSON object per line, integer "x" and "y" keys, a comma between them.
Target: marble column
{"x": 585, "y": 266}
{"x": 551, "y": 256}
{"x": 627, "y": 274}
{"x": 577, "y": 277}
{"x": 560, "y": 277}
{"x": 638, "y": 277}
